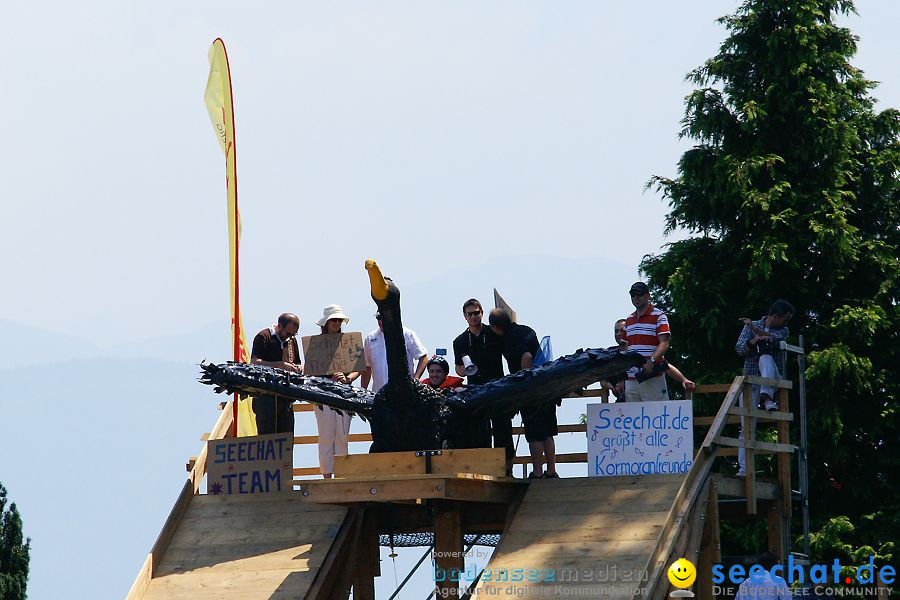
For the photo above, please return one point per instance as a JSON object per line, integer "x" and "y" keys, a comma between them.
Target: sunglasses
{"x": 473, "y": 313}
{"x": 636, "y": 293}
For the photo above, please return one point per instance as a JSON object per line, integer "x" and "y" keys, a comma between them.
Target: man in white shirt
{"x": 376, "y": 357}
{"x": 761, "y": 584}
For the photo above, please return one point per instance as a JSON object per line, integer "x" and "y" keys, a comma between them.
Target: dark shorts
{"x": 273, "y": 415}
{"x": 540, "y": 422}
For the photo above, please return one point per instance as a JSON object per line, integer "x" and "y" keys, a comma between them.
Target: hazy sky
{"x": 461, "y": 144}
{"x": 427, "y": 135}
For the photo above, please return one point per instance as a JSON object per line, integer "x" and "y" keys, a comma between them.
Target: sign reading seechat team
{"x": 640, "y": 438}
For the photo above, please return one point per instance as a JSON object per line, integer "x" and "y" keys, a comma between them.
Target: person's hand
{"x": 689, "y": 386}
{"x": 648, "y": 367}
{"x": 746, "y": 321}
{"x": 339, "y": 377}
{"x": 619, "y": 388}
{"x": 293, "y": 368}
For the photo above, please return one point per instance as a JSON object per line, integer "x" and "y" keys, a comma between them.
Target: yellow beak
{"x": 376, "y": 279}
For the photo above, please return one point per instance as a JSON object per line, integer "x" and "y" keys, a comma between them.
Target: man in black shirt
{"x": 520, "y": 346}
{"x": 276, "y": 347}
{"x": 483, "y": 347}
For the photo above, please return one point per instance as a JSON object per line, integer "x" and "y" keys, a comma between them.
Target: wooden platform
{"x": 585, "y": 533}
{"x": 245, "y": 547}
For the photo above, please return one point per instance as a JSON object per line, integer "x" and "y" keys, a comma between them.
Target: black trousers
{"x": 501, "y": 428}
{"x": 273, "y": 414}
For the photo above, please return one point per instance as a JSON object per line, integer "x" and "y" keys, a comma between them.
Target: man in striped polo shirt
{"x": 647, "y": 331}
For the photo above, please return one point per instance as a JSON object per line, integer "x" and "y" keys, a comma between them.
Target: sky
{"x": 465, "y": 146}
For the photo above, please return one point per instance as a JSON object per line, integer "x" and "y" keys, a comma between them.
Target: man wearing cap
{"x": 647, "y": 331}
{"x": 276, "y": 346}
{"x": 333, "y": 426}
{"x": 483, "y": 350}
{"x": 376, "y": 356}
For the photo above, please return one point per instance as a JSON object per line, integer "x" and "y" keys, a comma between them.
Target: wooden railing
{"x": 729, "y": 445}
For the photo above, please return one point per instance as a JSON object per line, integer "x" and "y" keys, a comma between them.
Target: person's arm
{"x": 527, "y": 360}
{"x": 365, "y": 378}
{"x": 674, "y": 373}
{"x": 420, "y": 368}
{"x": 279, "y": 364}
{"x": 742, "y": 346}
{"x": 658, "y": 353}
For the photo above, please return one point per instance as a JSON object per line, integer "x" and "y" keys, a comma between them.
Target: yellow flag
{"x": 221, "y": 113}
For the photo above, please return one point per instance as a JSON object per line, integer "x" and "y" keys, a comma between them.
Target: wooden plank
{"x": 489, "y": 461}
{"x": 235, "y": 584}
{"x": 712, "y": 388}
{"x": 332, "y": 579}
{"x": 762, "y": 415}
{"x": 562, "y": 522}
{"x": 710, "y": 548}
{"x": 366, "y": 564}
{"x": 732, "y": 487}
{"x": 337, "y": 491}
{"x": 569, "y": 494}
{"x": 704, "y": 421}
{"x": 578, "y": 428}
{"x": 634, "y": 531}
{"x": 755, "y": 445}
{"x": 314, "y": 439}
{"x": 305, "y": 471}
{"x": 142, "y": 580}
{"x": 784, "y": 462}
{"x": 522, "y": 546}
{"x": 448, "y": 548}
{"x": 785, "y": 384}
{"x": 749, "y": 433}
{"x": 775, "y": 532}
{"x": 284, "y": 532}
{"x": 574, "y": 457}
{"x": 722, "y": 415}
{"x": 614, "y": 505}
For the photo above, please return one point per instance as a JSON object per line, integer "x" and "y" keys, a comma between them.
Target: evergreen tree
{"x": 790, "y": 191}
{"x": 13, "y": 552}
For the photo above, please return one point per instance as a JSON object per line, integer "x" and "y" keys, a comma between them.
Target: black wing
{"x": 258, "y": 380}
{"x": 548, "y": 382}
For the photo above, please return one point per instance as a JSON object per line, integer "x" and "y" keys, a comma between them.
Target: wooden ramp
{"x": 247, "y": 547}
{"x": 591, "y": 536}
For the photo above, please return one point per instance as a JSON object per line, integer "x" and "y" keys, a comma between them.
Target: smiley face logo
{"x": 682, "y": 573}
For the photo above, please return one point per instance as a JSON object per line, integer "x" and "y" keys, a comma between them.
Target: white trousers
{"x": 651, "y": 390}
{"x": 334, "y": 427}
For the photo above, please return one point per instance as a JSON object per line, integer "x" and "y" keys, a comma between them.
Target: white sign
{"x": 640, "y": 438}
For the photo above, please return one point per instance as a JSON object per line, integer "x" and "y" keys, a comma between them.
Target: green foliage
{"x": 790, "y": 191}
{"x": 14, "y": 552}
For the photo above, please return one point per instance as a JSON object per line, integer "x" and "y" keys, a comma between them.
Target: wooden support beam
{"x": 732, "y": 487}
{"x": 755, "y": 445}
{"x": 784, "y": 461}
{"x": 749, "y": 434}
{"x": 333, "y": 578}
{"x": 762, "y": 415}
{"x": 486, "y": 461}
{"x": 710, "y": 550}
{"x": 448, "y": 548}
{"x": 367, "y": 560}
{"x": 785, "y": 384}
{"x": 775, "y": 531}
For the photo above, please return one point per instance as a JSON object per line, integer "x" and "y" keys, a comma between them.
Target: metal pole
{"x": 466, "y": 551}
{"x": 410, "y": 574}
{"x": 804, "y": 472}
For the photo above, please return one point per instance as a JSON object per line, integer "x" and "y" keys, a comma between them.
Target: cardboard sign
{"x": 499, "y": 302}
{"x": 329, "y": 353}
{"x": 640, "y": 438}
{"x": 250, "y": 465}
